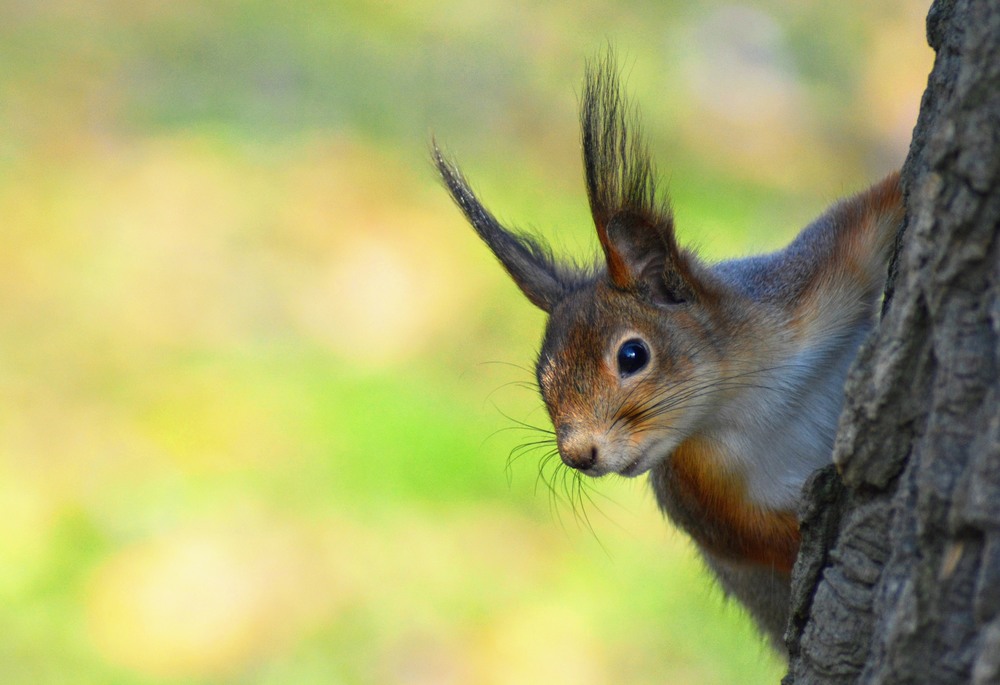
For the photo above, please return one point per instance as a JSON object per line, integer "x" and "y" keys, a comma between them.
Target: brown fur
{"x": 710, "y": 502}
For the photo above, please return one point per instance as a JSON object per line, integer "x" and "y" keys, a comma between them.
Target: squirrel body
{"x": 723, "y": 382}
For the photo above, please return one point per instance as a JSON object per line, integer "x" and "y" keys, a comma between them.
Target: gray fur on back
{"x": 779, "y": 277}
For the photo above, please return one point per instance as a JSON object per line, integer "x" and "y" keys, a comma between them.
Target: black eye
{"x": 633, "y": 356}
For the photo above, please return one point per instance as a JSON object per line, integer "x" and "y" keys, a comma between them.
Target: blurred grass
{"x": 255, "y": 373}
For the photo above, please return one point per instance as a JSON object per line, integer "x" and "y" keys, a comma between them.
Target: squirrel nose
{"x": 577, "y": 447}
{"x": 580, "y": 457}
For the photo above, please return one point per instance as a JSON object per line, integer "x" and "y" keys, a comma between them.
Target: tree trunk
{"x": 898, "y": 580}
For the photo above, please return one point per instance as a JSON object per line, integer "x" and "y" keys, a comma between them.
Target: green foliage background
{"x": 255, "y": 374}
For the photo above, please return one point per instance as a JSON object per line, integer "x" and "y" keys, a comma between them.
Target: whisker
{"x": 524, "y": 385}
{"x": 541, "y": 477}
{"x": 519, "y": 451}
{"x": 522, "y": 424}
{"x": 519, "y": 367}
{"x": 665, "y": 399}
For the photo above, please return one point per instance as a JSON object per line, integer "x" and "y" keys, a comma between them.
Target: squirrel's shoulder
{"x": 778, "y": 277}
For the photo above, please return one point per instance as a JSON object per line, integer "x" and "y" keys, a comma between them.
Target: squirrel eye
{"x": 633, "y": 356}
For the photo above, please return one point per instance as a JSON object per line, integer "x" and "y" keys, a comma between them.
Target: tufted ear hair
{"x": 529, "y": 262}
{"x": 635, "y": 226}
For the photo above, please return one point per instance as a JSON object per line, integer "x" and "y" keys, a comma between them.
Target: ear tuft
{"x": 619, "y": 170}
{"x": 633, "y": 219}
{"x": 529, "y": 262}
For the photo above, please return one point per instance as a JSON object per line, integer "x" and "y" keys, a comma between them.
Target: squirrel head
{"x": 633, "y": 347}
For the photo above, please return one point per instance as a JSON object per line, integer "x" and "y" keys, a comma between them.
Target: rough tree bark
{"x": 898, "y": 580}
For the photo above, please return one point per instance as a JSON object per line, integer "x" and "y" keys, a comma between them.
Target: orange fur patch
{"x": 865, "y": 226}
{"x": 714, "y": 509}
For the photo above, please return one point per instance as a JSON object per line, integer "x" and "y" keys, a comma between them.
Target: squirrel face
{"x": 624, "y": 380}
{"x": 635, "y": 347}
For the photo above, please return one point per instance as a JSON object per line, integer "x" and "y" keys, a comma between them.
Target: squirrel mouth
{"x": 647, "y": 459}
{"x": 634, "y": 468}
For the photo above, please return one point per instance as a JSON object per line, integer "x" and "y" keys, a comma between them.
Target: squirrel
{"x": 723, "y": 382}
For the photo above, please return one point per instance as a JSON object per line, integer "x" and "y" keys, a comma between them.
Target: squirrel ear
{"x": 643, "y": 255}
{"x": 528, "y": 262}
{"x": 634, "y": 225}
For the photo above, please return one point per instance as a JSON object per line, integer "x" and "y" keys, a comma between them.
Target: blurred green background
{"x": 256, "y": 374}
